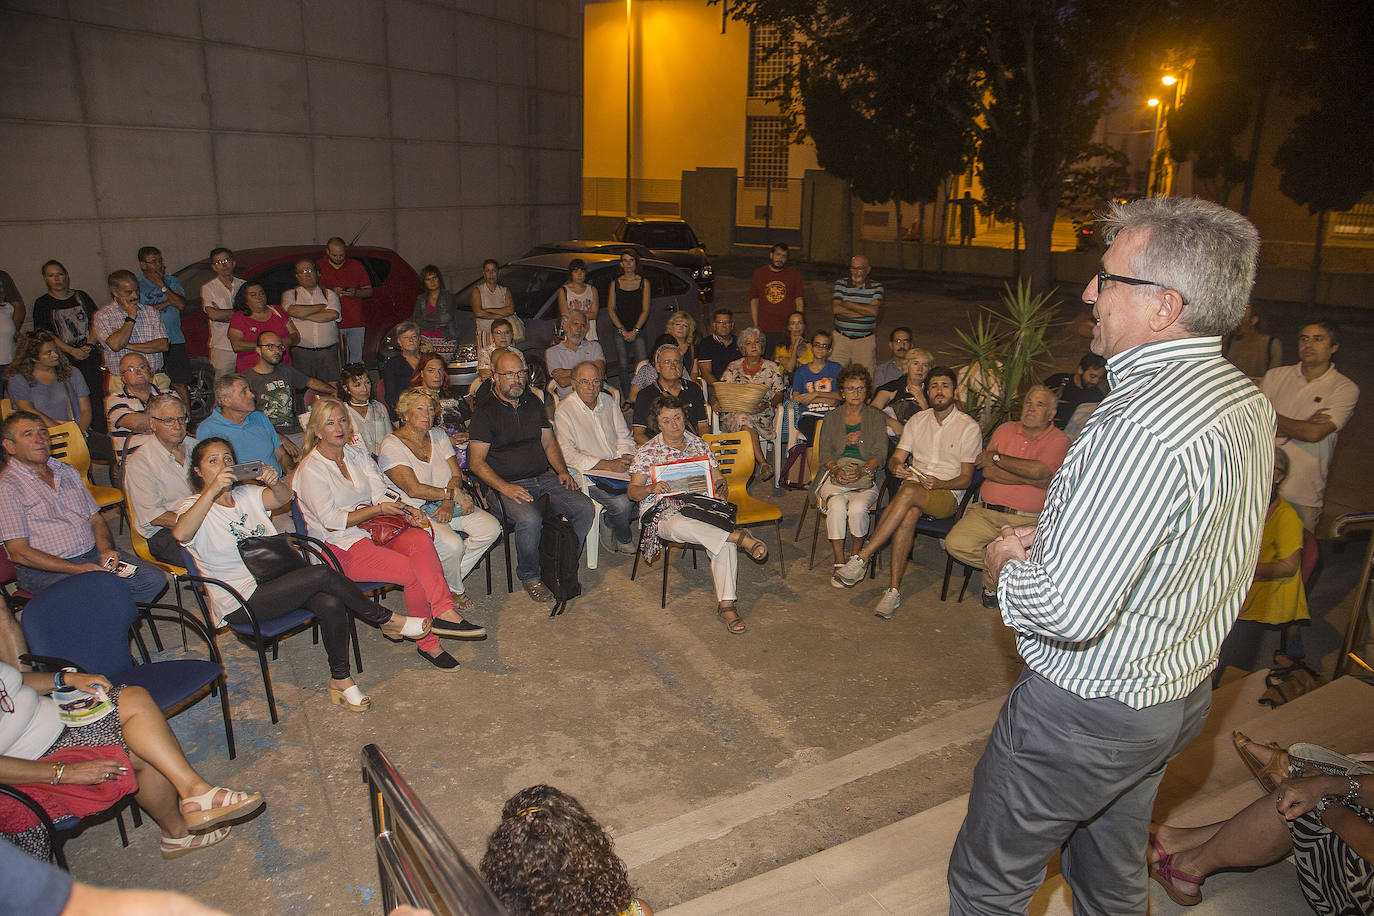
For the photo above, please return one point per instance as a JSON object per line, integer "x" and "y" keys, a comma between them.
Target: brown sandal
{"x": 734, "y": 627}
{"x": 757, "y": 550}
{"x": 1267, "y": 774}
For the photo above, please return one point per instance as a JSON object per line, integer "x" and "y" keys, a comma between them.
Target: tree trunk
{"x": 1261, "y": 105}
{"x": 901, "y": 235}
{"x": 1016, "y": 246}
{"x": 1038, "y": 267}
{"x": 1316, "y": 260}
{"x": 943, "y": 204}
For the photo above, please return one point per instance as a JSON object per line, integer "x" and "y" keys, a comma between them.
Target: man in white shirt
{"x": 943, "y": 443}
{"x": 155, "y": 476}
{"x": 217, "y": 302}
{"x": 571, "y": 351}
{"x": 1313, "y": 402}
{"x": 594, "y": 437}
{"x": 315, "y": 311}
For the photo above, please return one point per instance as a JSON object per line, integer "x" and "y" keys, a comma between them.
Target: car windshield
{"x": 193, "y": 277}
{"x": 666, "y": 236}
{"x": 531, "y": 286}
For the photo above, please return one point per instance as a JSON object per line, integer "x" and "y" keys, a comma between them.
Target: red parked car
{"x": 395, "y": 286}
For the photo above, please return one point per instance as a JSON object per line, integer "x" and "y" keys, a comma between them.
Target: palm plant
{"x": 1005, "y": 352}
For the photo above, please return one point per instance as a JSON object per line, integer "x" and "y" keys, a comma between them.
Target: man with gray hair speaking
{"x": 1122, "y": 591}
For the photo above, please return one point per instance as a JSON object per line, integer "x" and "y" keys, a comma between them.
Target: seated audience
{"x": 402, "y": 366}
{"x": 419, "y": 459}
{"x": 942, "y": 444}
{"x": 850, "y": 451}
{"x": 720, "y": 349}
{"x": 794, "y": 349}
{"x": 126, "y": 408}
{"x": 683, "y": 327}
{"x": 1326, "y": 823}
{"x": 549, "y": 857}
{"x": 899, "y": 341}
{"x": 1018, "y": 464}
{"x": 66, "y": 313}
{"x": 275, "y": 384}
{"x": 436, "y": 311}
{"x": 340, "y": 489}
{"x": 645, "y": 373}
{"x": 371, "y": 420}
{"x": 813, "y": 385}
{"x": 752, "y": 367}
{"x": 123, "y": 326}
{"x": 513, "y": 451}
{"x": 502, "y": 337}
{"x": 252, "y": 316}
{"x": 1082, "y": 386}
{"x": 454, "y": 412}
{"x": 85, "y": 769}
{"x": 41, "y": 381}
{"x": 668, "y": 365}
{"x": 1277, "y": 599}
{"x": 315, "y": 312}
{"x": 225, "y": 511}
{"x": 237, "y": 419}
{"x": 156, "y": 477}
{"x": 574, "y": 348}
{"x": 51, "y": 526}
{"x": 591, "y": 430}
{"x": 661, "y": 515}
{"x": 905, "y": 395}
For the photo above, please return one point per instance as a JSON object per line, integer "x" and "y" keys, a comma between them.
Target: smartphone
{"x": 248, "y": 470}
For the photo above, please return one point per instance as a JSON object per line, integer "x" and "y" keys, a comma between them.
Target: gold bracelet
{"x": 57, "y": 769}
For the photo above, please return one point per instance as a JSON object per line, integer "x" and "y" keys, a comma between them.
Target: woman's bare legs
{"x": 164, "y": 775}
{"x": 1256, "y": 835}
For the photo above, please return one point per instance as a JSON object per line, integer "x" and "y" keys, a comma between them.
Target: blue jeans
{"x": 619, "y": 510}
{"x": 145, "y": 584}
{"x": 529, "y": 522}
{"x": 354, "y": 338}
{"x": 623, "y": 348}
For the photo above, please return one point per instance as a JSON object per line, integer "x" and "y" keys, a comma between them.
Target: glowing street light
{"x": 1169, "y": 80}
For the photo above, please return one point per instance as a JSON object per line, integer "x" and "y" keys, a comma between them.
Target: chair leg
{"x": 667, "y": 553}
{"x": 815, "y": 539}
{"x": 228, "y": 722}
{"x": 949, "y": 568}
{"x": 488, "y": 565}
{"x": 968, "y": 575}
{"x": 801, "y": 519}
{"x": 353, "y": 636}
{"x": 510, "y": 578}
{"x": 123, "y": 834}
{"x": 157, "y": 637}
{"x": 142, "y": 647}
{"x": 267, "y": 684}
{"x": 782, "y": 561}
{"x": 634, "y": 568}
{"x": 135, "y": 813}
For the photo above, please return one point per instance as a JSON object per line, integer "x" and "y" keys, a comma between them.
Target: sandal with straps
{"x": 756, "y": 549}
{"x": 176, "y": 847}
{"x": 1163, "y": 873}
{"x": 734, "y": 627}
{"x": 231, "y": 804}
{"x": 1269, "y": 774}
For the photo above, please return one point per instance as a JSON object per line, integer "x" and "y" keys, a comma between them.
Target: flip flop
{"x": 1269, "y": 774}
{"x": 1163, "y": 873}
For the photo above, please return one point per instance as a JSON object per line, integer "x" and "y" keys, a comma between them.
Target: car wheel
{"x": 201, "y": 391}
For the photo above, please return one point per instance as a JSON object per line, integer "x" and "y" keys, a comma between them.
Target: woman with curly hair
{"x": 41, "y": 380}
{"x": 549, "y": 857}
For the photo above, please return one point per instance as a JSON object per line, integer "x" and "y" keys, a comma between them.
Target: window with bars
{"x": 768, "y": 61}
{"x": 765, "y": 152}
{"x": 1355, "y": 223}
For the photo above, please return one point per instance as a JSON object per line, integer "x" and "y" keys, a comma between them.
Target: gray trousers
{"x": 1060, "y": 770}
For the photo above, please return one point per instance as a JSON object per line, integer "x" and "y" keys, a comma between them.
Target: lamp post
{"x": 629, "y": 91}
{"x": 1156, "y": 162}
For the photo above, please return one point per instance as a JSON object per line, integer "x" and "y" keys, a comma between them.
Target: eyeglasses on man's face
{"x": 171, "y": 421}
{"x": 1103, "y": 277}
{"x": 518, "y": 373}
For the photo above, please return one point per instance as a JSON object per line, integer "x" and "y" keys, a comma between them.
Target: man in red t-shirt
{"x": 775, "y": 293}
{"x": 347, "y": 277}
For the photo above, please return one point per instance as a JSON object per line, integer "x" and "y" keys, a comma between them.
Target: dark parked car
{"x": 534, "y": 282}
{"x": 590, "y": 247}
{"x": 395, "y": 285}
{"x": 672, "y": 240}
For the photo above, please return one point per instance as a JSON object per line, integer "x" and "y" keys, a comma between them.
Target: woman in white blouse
{"x": 371, "y": 422}
{"x": 224, "y": 512}
{"x": 340, "y": 488}
{"x": 421, "y": 462}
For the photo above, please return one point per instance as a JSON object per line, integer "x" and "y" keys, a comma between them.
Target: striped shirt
{"x": 868, "y": 294}
{"x": 1151, "y": 529}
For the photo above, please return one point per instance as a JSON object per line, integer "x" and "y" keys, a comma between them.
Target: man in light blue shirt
{"x": 163, "y": 292}
{"x": 247, "y": 429}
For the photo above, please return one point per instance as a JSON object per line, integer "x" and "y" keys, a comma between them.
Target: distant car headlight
{"x": 703, "y": 273}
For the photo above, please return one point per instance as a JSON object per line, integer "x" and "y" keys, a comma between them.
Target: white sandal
{"x": 352, "y": 697}
{"x": 232, "y": 804}
{"x": 176, "y": 847}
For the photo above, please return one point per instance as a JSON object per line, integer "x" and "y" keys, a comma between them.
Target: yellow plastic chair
{"x": 6, "y": 408}
{"x": 70, "y": 446}
{"x": 735, "y": 456}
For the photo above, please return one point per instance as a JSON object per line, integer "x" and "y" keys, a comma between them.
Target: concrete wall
{"x": 450, "y": 131}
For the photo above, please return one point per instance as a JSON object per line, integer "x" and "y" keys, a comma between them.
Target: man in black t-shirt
{"x": 720, "y": 349}
{"x": 668, "y": 362}
{"x": 274, "y": 385}
{"x": 1083, "y": 386}
{"x": 511, "y": 449}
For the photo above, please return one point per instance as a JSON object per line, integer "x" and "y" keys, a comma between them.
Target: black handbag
{"x": 270, "y": 557}
{"x": 718, "y": 513}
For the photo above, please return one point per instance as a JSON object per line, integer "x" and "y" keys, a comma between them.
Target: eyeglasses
{"x": 135, "y": 369}
{"x": 587, "y": 381}
{"x": 273, "y": 346}
{"x": 171, "y": 421}
{"x": 220, "y": 262}
{"x": 521, "y": 373}
{"x": 1103, "y": 277}
{"x": 851, "y": 389}
{"x": 306, "y": 270}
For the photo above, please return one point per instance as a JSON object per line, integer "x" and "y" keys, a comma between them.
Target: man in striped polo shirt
{"x": 1121, "y": 593}
{"x": 856, "y": 305}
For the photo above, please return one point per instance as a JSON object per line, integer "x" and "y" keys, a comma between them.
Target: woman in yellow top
{"x": 1277, "y": 598}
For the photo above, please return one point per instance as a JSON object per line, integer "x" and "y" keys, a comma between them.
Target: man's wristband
{"x": 57, "y": 680}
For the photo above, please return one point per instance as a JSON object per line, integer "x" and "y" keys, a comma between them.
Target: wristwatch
{"x": 128, "y": 320}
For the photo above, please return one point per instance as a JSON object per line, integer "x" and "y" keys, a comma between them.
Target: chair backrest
{"x": 1310, "y": 554}
{"x": 6, "y": 408}
{"x": 84, "y": 618}
{"x": 812, "y": 455}
{"x": 734, "y": 454}
{"x": 144, "y": 552}
{"x": 297, "y": 518}
{"x": 8, "y": 572}
{"x": 70, "y": 446}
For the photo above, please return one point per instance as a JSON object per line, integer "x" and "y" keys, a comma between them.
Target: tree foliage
{"x": 1206, "y": 128}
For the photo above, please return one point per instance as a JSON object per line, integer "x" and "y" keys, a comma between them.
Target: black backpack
{"x": 559, "y": 551}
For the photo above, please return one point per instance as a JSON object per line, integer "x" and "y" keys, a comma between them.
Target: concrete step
{"x": 901, "y": 868}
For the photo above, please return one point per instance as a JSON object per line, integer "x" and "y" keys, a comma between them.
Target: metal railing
{"x": 417, "y": 863}
{"x": 1357, "y": 630}
{"x": 648, "y": 196}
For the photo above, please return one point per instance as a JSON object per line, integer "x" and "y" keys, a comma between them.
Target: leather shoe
{"x": 465, "y": 629}
{"x": 442, "y": 660}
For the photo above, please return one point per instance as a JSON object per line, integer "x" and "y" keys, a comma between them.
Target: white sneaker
{"x": 888, "y": 604}
{"x": 851, "y": 573}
